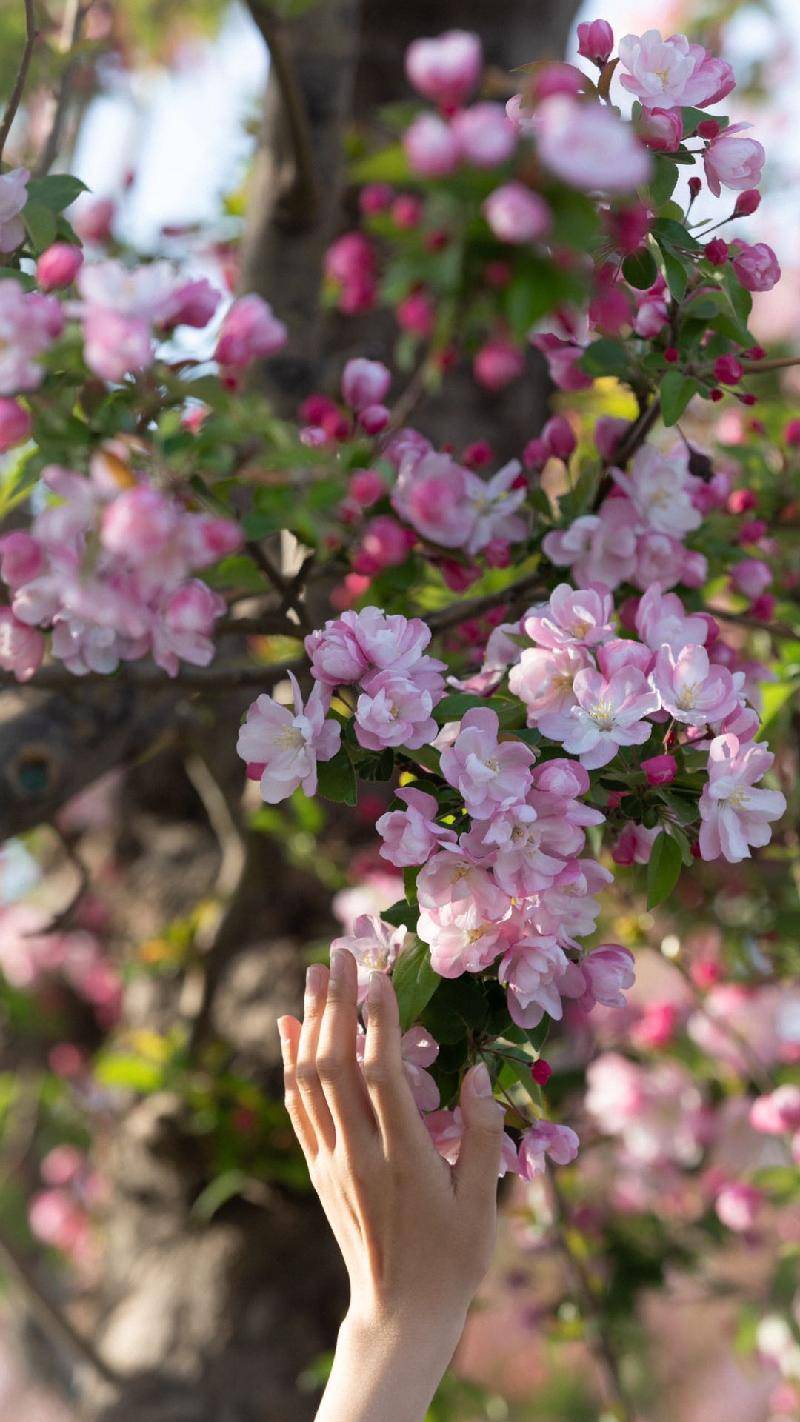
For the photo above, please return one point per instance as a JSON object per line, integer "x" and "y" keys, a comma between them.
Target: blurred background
{"x": 163, "y": 1212}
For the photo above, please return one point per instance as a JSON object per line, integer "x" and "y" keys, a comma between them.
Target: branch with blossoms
{"x": 583, "y": 707}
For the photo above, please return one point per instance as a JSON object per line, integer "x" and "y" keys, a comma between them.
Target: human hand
{"x": 416, "y": 1234}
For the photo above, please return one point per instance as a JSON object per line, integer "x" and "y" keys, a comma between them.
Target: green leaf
{"x": 605, "y": 357}
{"x": 664, "y": 181}
{"x": 336, "y": 779}
{"x": 401, "y": 915}
{"x": 670, "y": 233}
{"x": 663, "y": 870}
{"x": 217, "y": 1193}
{"x": 453, "y": 707}
{"x": 456, "y": 1009}
{"x": 693, "y": 117}
{"x": 410, "y": 884}
{"x": 519, "y": 1067}
{"x": 676, "y": 392}
{"x": 40, "y": 225}
{"x": 536, "y": 287}
{"x": 415, "y": 982}
{"x": 639, "y": 269}
{"x": 388, "y": 166}
{"x": 55, "y": 191}
{"x": 13, "y": 274}
{"x": 676, "y": 273}
{"x": 129, "y": 1073}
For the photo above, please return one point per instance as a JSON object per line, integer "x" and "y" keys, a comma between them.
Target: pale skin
{"x": 416, "y": 1234}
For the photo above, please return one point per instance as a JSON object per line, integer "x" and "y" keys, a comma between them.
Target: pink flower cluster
{"x": 30, "y": 955}
{"x": 452, "y": 507}
{"x": 107, "y": 570}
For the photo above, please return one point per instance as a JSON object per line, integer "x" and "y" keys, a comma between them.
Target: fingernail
{"x": 375, "y": 986}
{"x": 337, "y": 964}
{"x": 282, "y": 1033}
{"x": 479, "y": 1080}
{"x": 315, "y": 979}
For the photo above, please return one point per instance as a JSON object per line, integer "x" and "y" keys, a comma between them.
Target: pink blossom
{"x": 418, "y": 1050}
{"x": 493, "y": 504}
{"x": 734, "y": 812}
{"x": 516, "y": 214}
{"x": 62, "y": 1164}
{"x": 359, "y": 643}
{"x": 364, "y": 383}
{"x": 431, "y": 146}
{"x": 571, "y": 618}
{"x": 651, "y": 317}
{"x": 139, "y": 523}
{"x": 531, "y": 972}
{"x": 691, "y": 689}
{"x": 600, "y": 548}
{"x": 182, "y": 627}
{"x": 661, "y": 130}
{"x": 21, "y": 647}
{"x": 375, "y": 945}
{"x": 29, "y": 323}
{"x": 385, "y": 543}
{"x": 589, "y": 146}
{"x": 15, "y": 424}
{"x": 634, "y": 844}
{"x": 497, "y": 364}
{"x": 518, "y": 842}
{"x": 609, "y": 970}
{"x": 365, "y": 486}
{"x": 460, "y": 936}
{"x": 733, "y": 162}
{"x": 489, "y": 775}
{"x": 192, "y": 303}
{"x": 447, "y": 68}
{"x": 738, "y": 1205}
{"x": 416, "y": 313}
{"x": 660, "y": 489}
{"x": 544, "y": 680}
{"x": 451, "y": 877}
{"x": 430, "y": 494}
{"x": 486, "y": 137}
{"x": 350, "y": 262}
{"x": 93, "y": 219}
{"x": 756, "y": 266}
{"x": 655, "y": 1110}
{"x": 249, "y": 331}
{"x": 58, "y": 266}
{"x": 410, "y": 836}
{"x": 595, "y": 40}
{"x": 559, "y": 438}
{"x": 58, "y": 1220}
{"x": 608, "y": 714}
{"x": 660, "y": 769}
{"x": 393, "y": 710}
{"x": 778, "y": 1112}
{"x": 546, "y": 1138}
{"x": 751, "y": 577}
{"x": 115, "y": 344}
{"x": 21, "y": 558}
{"x": 288, "y": 742}
{"x": 563, "y": 361}
{"x": 623, "y": 652}
{"x": 662, "y": 620}
{"x": 13, "y": 197}
{"x": 672, "y": 72}
{"x": 446, "y": 1130}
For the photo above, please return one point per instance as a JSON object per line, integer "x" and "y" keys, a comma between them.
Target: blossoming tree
{"x": 543, "y": 672}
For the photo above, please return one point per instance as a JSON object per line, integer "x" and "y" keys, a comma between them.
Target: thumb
{"x": 479, "y": 1157}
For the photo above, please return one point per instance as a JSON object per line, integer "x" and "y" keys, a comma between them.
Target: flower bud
{"x": 366, "y": 486}
{"x": 374, "y": 419}
{"x": 559, "y": 438}
{"x": 728, "y": 370}
{"x": 747, "y": 203}
{"x": 595, "y": 40}
{"x": 716, "y": 252}
{"x": 15, "y": 424}
{"x": 58, "y": 266}
{"x": 660, "y": 769}
{"x": 497, "y": 364}
{"x": 364, "y": 382}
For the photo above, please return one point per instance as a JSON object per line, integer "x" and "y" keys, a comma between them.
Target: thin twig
{"x": 74, "y": 16}
{"x": 531, "y": 584}
{"x": 213, "y": 678}
{"x": 300, "y": 201}
{"x": 15, "y": 98}
{"x": 52, "y": 1318}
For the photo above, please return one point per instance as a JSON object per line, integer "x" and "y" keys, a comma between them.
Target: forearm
{"x": 387, "y": 1373}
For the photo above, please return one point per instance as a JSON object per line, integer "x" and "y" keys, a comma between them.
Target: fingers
{"x": 479, "y": 1157}
{"x": 289, "y": 1032}
{"x": 389, "y": 1091}
{"x": 306, "y": 1074}
{"x": 337, "y": 1066}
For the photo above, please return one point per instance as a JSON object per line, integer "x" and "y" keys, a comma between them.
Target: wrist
{"x": 430, "y": 1335}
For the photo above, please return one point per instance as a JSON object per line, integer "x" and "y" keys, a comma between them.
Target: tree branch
{"x": 15, "y": 98}
{"x": 531, "y": 584}
{"x": 74, "y": 16}
{"x": 299, "y": 201}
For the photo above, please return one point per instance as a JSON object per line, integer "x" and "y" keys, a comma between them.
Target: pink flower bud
{"x": 485, "y": 136}
{"x": 477, "y": 455}
{"x": 366, "y": 487}
{"x": 607, "y": 434}
{"x": 742, "y": 500}
{"x": 515, "y": 214}
{"x": 753, "y": 531}
{"x": 792, "y": 434}
{"x": 364, "y": 382}
{"x": 497, "y": 364}
{"x": 458, "y": 576}
{"x": 21, "y": 558}
{"x": 15, "y": 424}
{"x": 535, "y": 455}
{"x": 559, "y": 437}
{"x": 374, "y": 198}
{"x": 386, "y": 543}
{"x": 661, "y": 129}
{"x": 431, "y": 147}
{"x": 374, "y": 419}
{"x": 660, "y": 769}
{"x": 416, "y": 313}
{"x": 445, "y": 69}
{"x": 747, "y": 203}
{"x": 763, "y": 607}
{"x": 541, "y": 1072}
{"x": 58, "y": 266}
{"x": 728, "y": 370}
{"x": 716, "y": 252}
{"x": 695, "y": 187}
{"x": 193, "y": 304}
{"x": 751, "y": 577}
{"x": 498, "y": 553}
{"x": 709, "y": 129}
{"x": 595, "y": 40}
{"x": 628, "y": 226}
{"x": 756, "y": 267}
{"x": 250, "y": 330}
{"x": 407, "y": 211}
{"x": 551, "y": 80}
{"x": 738, "y": 1205}
{"x": 92, "y": 220}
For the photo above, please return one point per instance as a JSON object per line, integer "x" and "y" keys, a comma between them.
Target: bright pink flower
{"x": 516, "y": 214}
{"x": 21, "y": 558}
{"x": 58, "y": 266}
{"x": 351, "y": 263}
{"x": 734, "y": 812}
{"x": 691, "y": 689}
{"x": 546, "y": 1138}
{"x": 624, "y": 652}
{"x": 385, "y": 544}
{"x": 139, "y": 523}
{"x": 431, "y": 146}
{"x": 595, "y": 40}
{"x": 656, "y": 1026}
{"x": 778, "y": 1112}
{"x": 451, "y": 877}
{"x": 249, "y": 331}
{"x": 571, "y": 618}
{"x": 365, "y": 382}
{"x": 21, "y": 647}
{"x": 589, "y": 146}
{"x": 288, "y": 742}
{"x": 756, "y": 266}
{"x": 661, "y": 620}
{"x": 651, "y": 316}
{"x": 412, "y": 835}
{"x": 394, "y": 711}
{"x": 660, "y": 769}
{"x": 609, "y": 970}
{"x": 738, "y": 1206}
{"x": 747, "y": 203}
{"x": 661, "y": 129}
{"x": 544, "y": 680}
{"x": 634, "y": 845}
{"x": 431, "y": 495}
{"x": 375, "y": 945}
{"x": 374, "y": 419}
{"x": 13, "y": 197}
{"x": 608, "y": 714}
{"x": 672, "y": 72}
{"x": 559, "y": 439}
{"x": 445, "y": 69}
{"x": 357, "y": 643}
{"x": 563, "y": 362}
{"x": 497, "y": 364}
{"x": 733, "y": 162}
{"x": 15, "y": 424}
{"x": 490, "y": 775}
{"x": 751, "y": 577}
{"x": 531, "y": 972}
{"x": 484, "y": 134}
{"x": 600, "y": 548}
